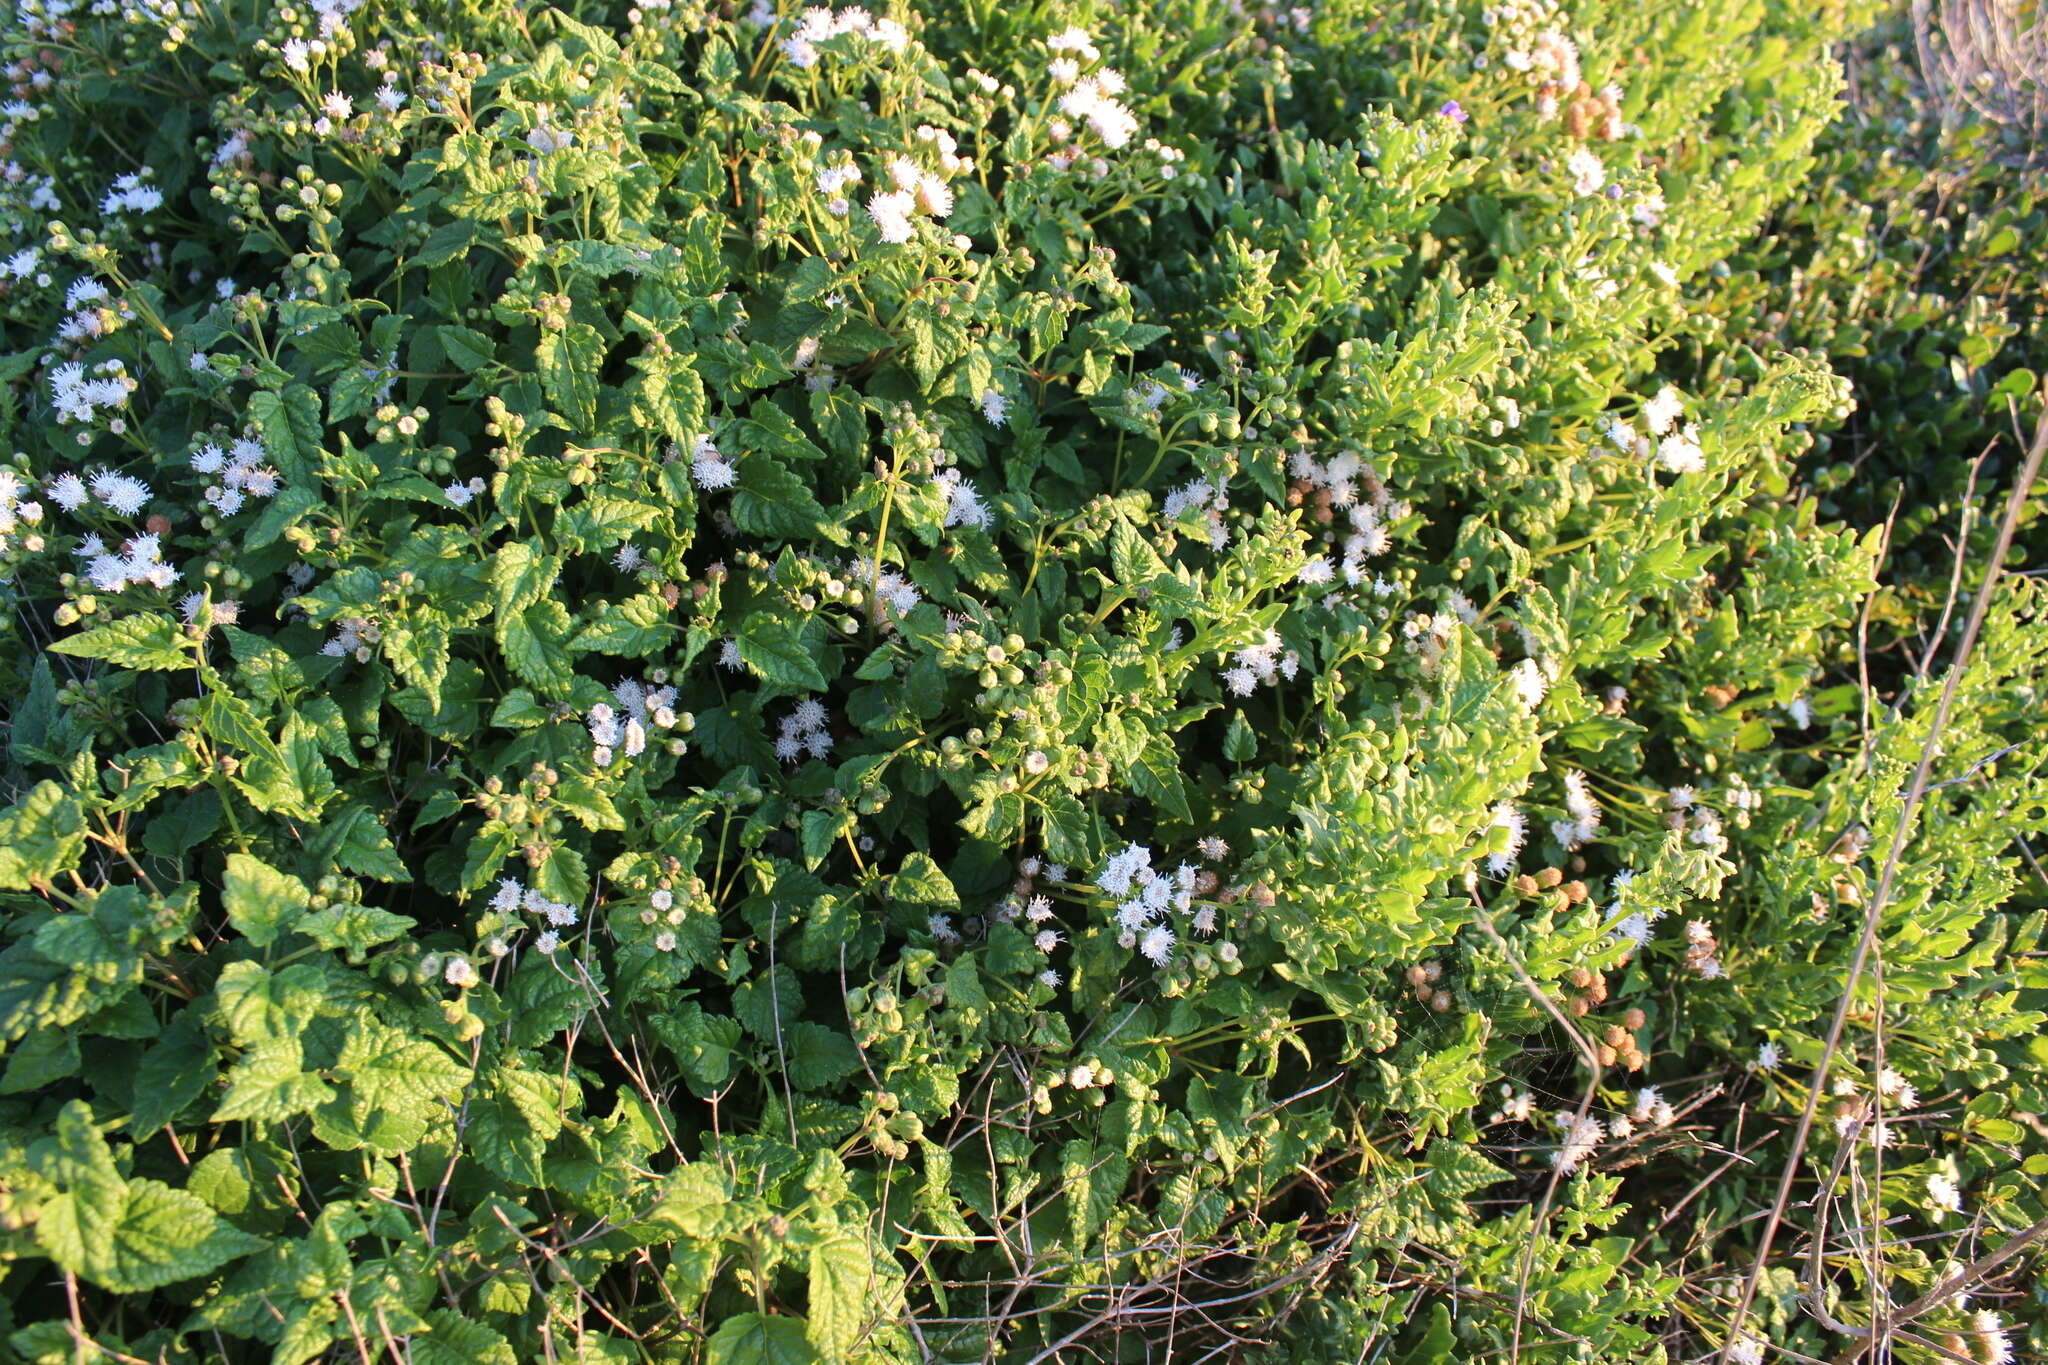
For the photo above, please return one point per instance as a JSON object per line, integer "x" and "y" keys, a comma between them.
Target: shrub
{"x": 990, "y": 684}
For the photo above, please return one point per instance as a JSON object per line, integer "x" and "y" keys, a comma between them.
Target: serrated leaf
{"x": 571, "y": 362}
{"x": 260, "y": 900}
{"x": 772, "y": 647}
{"x": 389, "y": 1067}
{"x": 751, "y": 1339}
{"x": 818, "y": 1056}
{"x": 631, "y": 629}
{"x": 448, "y": 242}
{"x": 356, "y": 928}
{"x": 467, "y": 349}
{"x": 513, "y": 1117}
{"x": 144, "y": 641}
{"x": 40, "y": 836}
{"x": 841, "y": 1294}
{"x": 1156, "y": 774}
{"x": 770, "y": 500}
{"x": 125, "y": 1236}
{"x": 270, "y": 1084}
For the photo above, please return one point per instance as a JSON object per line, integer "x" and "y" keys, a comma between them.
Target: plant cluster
{"x": 1026, "y": 684}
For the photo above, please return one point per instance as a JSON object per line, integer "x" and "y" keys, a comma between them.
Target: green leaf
{"x": 270, "y": 1084}
{"x": 770, "y": 645}
{"x": 357, "y": 928}
{"x": 842, "y": 1284}
{"x": 467, "y": 349}
{"x": 230, "y": 720}
{"x": 818, "y": 1056}
{"x": 124, "y": 1236}
{"x": 448, "y": 242}
{"x": 455, "y": 1340}
{"x": 143, "y": 641}
{"x": 388, "y": 1067}
{"x": 920, "y": 882}
{"x": 770, "y": 500}
{"x": 1240, "y": 743}
{"x": 512, "y": 1119}
{"x": 702, "y": 1043}
{"x": 41, "y": 836}
{"x": 1157, "y": 774}
{"x": 260, "y": 900}
{"x": 751, "y": 1339}
{"x": 290, "y": 426}
{"x": 635, "y": 627}
{"x": 571, "y": 363}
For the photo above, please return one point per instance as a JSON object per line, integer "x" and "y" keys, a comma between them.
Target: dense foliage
{"x": 1023, "y": 683}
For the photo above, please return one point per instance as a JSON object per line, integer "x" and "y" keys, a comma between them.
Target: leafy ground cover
{"x": 1014, "y": 683}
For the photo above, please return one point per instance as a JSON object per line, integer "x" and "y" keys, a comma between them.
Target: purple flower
{"x": 1454, "y": 111}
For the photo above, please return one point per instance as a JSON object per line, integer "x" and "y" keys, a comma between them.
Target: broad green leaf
{"x": 770, "y": 500}
{"x": 571, "y": 363}
{"x": 841, "y": 1295}
{"x": 353, "y": 927}
{"x": 270, "y": 1084}
{"x": 40, "y": 837}
{"x": 751, "y": 1339}
{"x": 126, "y": 1236}
{"x": 260, "y": 900}
{"x": 774, "y": 649}
{"x": 143, "y": 641}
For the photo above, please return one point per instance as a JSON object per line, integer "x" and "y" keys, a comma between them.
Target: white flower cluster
{"x": 1534, "y": 45}
{"x": 916, "y": 191}
{"x": 353, "y": 636}
{"x": 1583, "y": 1136}
{"x": 1588, "y": 171}
{"x": 893, "y": 593}
{"x": 1530, "y": 683}
{"x": 1702, "y": 824}
{"x": 224, "y": 612}
{"x": 1581, "y": 810}
{"x": 1703, "y": 955}
{"x": 23, "y": 264}
{"x": 239, "y": 473}
{"x": 121, "y": 494}
{"x": 995, "y": 408}
{"x": 1264, "y": 662}
{"x": 79, "y": 397}
{"x": 623, "y": 730}
{"x": 1626, "y": 921}
{"x": 1652, "y": 1109}
{"x": 1676, "y": 448}
{"x": 1509, "y": 817}
{"x": 88, "y": 317}
{"x": 1209, "y": 497}
{"x": 461, "y": 494}
{"x": 1148, "y": 901}
{"x": 16, "y": 511}
{"x": 131, "y": 194}
{"x": 1091, "y": 98}
{"x": 140, "y": 561}
{"x": 662, "y": 909}
{"x": 820, "y": 25}
{"x": 964, "y": 506}
{"x": 709, "y": 469}
{"x": 805, "y": 730}
{"x": 1331, "y": 491}
{"x": 514, "y": 896}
